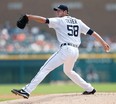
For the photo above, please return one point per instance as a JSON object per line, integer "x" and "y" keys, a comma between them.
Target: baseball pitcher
{"x": 68, "y": 31}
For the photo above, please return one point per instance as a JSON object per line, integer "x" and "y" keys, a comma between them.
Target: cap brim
{"x": 56, "y": 9}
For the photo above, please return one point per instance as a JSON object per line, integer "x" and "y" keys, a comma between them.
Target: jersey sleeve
{"x": 84, "y": 28}
{"x": 53, "y": 22}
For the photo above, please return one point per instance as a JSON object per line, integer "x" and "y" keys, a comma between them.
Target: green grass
{"x": 6, "y": 99}
{"x": 56, "y": 88}
{"x": 105, "y": 87}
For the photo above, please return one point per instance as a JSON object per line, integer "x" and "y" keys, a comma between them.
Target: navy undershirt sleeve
{"x": 90, "y": 32}
{"x": 47, "y": 20}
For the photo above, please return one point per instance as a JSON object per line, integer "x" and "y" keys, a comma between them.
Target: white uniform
{"x": 68, "y": 30}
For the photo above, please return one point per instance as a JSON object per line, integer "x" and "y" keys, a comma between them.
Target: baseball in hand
{"x": 107, "y": 50}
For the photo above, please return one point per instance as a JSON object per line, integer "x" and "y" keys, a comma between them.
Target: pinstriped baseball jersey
{"x": 68, "y": 29}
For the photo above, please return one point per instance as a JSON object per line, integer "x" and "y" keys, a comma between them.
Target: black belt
{"x": 70, "y": 44}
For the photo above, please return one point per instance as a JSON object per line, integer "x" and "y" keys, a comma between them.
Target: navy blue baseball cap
{"x": 61, "y": 7}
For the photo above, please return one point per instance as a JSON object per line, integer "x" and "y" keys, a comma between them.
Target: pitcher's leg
{"x": 68, "y": 70}
{"x": 50, "y": 65}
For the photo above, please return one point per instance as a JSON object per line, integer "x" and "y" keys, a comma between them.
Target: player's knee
{"x": 67, "y": 72}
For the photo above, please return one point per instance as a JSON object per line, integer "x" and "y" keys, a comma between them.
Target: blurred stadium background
{"x": 23, "y": 52}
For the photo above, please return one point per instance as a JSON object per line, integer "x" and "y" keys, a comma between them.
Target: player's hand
{"x": 106, "y": 47}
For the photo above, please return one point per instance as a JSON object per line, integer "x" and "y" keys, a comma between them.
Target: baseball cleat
{"x": 88, "y": 93}
{"x": 20, "y": 92}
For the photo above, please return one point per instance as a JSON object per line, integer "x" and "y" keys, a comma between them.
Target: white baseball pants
{"x": 66, "y": 55}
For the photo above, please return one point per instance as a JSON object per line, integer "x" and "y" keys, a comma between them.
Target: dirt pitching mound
{"x": 72, "y": 98}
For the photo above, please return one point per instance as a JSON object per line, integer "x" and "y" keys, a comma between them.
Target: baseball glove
{"x": 23, "y": 20}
